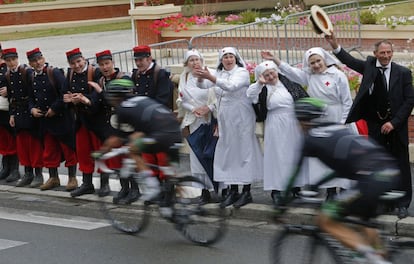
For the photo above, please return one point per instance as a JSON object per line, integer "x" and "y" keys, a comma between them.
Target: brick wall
{"x": 59, "y": 15}
{"x": 51, "y": 13}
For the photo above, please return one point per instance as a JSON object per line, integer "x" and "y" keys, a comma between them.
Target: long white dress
{"x": 191, "y": 97}
{"x": 238, "y": 158}
{"x": 283, "y": 137}
{"x": 332, "y": 86}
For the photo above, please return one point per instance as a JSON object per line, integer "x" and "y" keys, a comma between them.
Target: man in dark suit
{"x": 385, "y": 100}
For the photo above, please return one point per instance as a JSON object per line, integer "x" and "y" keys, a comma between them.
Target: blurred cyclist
{"x": 138, "y": 118}
{"x": 353, "y": 157}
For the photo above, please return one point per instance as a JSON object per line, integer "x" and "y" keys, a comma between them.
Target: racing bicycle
{"x": 203, "y": 224}
{"x": 312, "y": 245}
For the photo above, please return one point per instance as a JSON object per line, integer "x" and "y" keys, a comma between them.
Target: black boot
{"x": 205, "y": 197}
{"x": 14, "y": 169}
{"x": 5, "y": 167}
{"x": 296, "y": 192}
{"x": 244, "y": 198}
{"x": 330, "y": 193}
{"x": 27, "y": 177}
{"x": 276, "y": 196}
{"x": 224, "y": 193}
{"x": 133, "y": 193}
{"x": 123, "y": 192}
{"x": 105, "y": 189}
{"x": 86, "y": 187}
{"x": 231, "y": 197}
{"x": 38, "y": 178}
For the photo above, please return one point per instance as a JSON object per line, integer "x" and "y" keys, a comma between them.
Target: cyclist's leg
{"x": 350, "y": 238}
{"x": 310, "y": 247}
{"x": 361, "y": 201}
{"x": 152, "y": 185}
{"x": 346, "y": 235}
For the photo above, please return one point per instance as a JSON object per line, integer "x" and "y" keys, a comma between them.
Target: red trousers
{"x": 86, "y": 143}
{"x": 29, "y": 149}
{"x": 160, "y": 159}
{"x": 53, "y": 151}
{"x": 7, "y": 142}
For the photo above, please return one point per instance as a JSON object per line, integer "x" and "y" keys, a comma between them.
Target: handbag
{"x": 203, "y": 143}
{"x": 211, "y": 140}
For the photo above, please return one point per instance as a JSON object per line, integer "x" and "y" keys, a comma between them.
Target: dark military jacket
{"x": 88, "y": 116}
{"x": 144, "y": 85}
{"x": 46, "y": 93}
{"x": 4, "y": 114}
{"x": 18, "y": 87}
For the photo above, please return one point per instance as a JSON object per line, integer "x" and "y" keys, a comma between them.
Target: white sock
{"x": 150, "y": 184}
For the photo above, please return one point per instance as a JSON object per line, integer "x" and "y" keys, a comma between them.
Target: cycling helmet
{"x": 309, "y": 108}
{"x": 119, "y": 88}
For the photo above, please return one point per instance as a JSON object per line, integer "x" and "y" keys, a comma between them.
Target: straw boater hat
{"x": 320, "y": 20}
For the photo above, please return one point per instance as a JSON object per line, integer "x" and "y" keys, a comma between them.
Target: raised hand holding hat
{"x": 320, "y": 21}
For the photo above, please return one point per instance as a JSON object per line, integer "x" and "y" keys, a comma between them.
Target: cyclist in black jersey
{"x": 137, "y": 118}
{"x": 353, "y": 157}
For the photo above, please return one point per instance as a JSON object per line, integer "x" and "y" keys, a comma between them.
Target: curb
{"x": 260, "y": 214}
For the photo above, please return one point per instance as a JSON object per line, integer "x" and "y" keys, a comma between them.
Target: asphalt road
{"x": 48, "y": 230}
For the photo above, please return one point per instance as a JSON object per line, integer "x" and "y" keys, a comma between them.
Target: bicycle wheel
{"x": 201, "y": 224}
{"x": 302, "y": 244}
{"x": 129, "y": 218}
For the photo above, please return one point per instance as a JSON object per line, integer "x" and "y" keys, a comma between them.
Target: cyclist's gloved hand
{"x": 97, "y": 154}
{"x": 141, "y": 144}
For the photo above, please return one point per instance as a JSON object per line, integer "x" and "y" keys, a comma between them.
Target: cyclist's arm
{"x": 112, "y": 142}
{"x": 326, "y": 178}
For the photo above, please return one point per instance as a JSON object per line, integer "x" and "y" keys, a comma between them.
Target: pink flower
{"x": 232, "y": 18}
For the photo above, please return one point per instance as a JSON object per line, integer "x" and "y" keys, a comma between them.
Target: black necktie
{"x": 384, "y": 78}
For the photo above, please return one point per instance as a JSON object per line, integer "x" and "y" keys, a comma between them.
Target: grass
{"x": 65, "y": 31}
{"x": 398, "y": 10}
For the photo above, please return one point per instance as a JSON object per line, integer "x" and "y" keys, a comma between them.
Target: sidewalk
{"x": 260, "y": 212}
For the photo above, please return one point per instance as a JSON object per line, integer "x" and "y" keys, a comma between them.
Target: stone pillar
{"x": 143, "y": 17}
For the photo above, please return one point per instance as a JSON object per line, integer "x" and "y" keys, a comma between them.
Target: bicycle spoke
{"x": 202, "y": 224}
{"x": 297, "y": 247}
{"x": 129, "y": 218}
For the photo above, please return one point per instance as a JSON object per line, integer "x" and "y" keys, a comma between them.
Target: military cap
{"x": 73, "y": 54}
{"x": 8, "y": 53}
{"x": 103, "y": 55}
{"x": 33, "y": 54}
{"x": 141, "y": 51}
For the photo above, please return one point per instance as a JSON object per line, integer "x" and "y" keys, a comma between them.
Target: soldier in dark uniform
{"x": 127, "y": 194}
{"x": 28, "y": 138}
{"x": 78, "y": 93}
{"x": 10, "y": 162}
{"x": 56, "y": 123}
{"x": 152, "y": 81}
